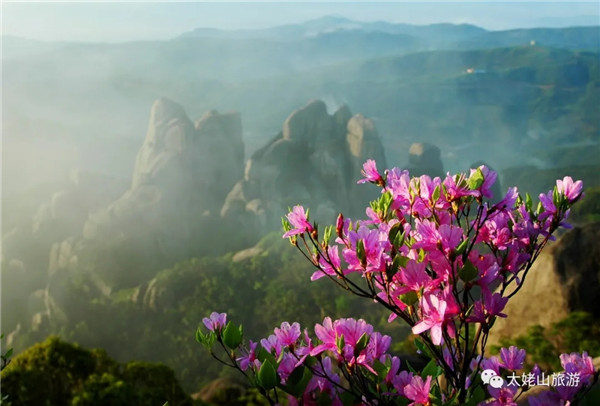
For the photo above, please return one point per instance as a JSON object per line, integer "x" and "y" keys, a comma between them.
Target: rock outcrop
{"x": 315, "y": 160}
{"x": 564, "y": 279}
{"x": 425, "y": 159}
{"x": 182, "y": 174}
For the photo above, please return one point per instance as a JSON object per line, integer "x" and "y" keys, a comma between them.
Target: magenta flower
{"x": 401, "y": 380}
{"x": 456, "y": 187}
{"x": 377, "y": 347}
{"x": 215, "y": 322}
{"x": 433, "y": 310}
{"x": 546, "y": 398}
{"x": 512, "y": 358}
{"x": 352, "y": 329}
{"x": 492, "y": 363}
{"x": 509, "y": 200}
{"x": 370, "y": 173}
{"x": 271, "y": 344}
{"x": 299, "y": 221}
{"x": 572, "y": 191}
{"x": 325, "y": 267}
{"x": 249, "y": 357}
{"x": 287, "y": 335}
{"x": 504, "y": 396}
{"x": 431, "y": 237}
{"x": 327, "y": 334}
{"x": 375, "y": 258}
{"x": 494, "y": 303}
{"x": 582, "y": 364}
{"x": 418, "y": 391}
{"x": 489, "y": 178}
{"x": 548, "y": 204}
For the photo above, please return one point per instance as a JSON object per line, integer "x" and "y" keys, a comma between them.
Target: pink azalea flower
{"x": 494, "y": 303}
{"x": 286, "y": 366}
{"x": 327, "y": 334}
{"x": 572, "y": 191}
{"x": 288, "y": 334}
{"x": 456, "y": 187}
{"x": 216, "y": 321}
{"x": 582, "y": 364}
{"x": 433, "y": 310}
{"x": 249, "y": 357}
{"x": 509, "y": 200}
{"x": 377, "y": 347}
{"x": 375, "y": 257}
{"x": 299, "y": 221}
{"x": 271, "y": 344}
{"x": 512, "y": 358}
{"x": 431, "y": 237}
{"x": 546, "y": 398}
{"x": 492, "y": 363}
{"x": 548, "y": 204}
{"x": 401, "y": 381}
{"x": 370, "y": 173}
{"x": 489, "y": 178}
{"x": 504, "y": 396}
{"x": 325, "y": 267}
{"x": 398, "y": 183}
{"x": 418, "y": 391}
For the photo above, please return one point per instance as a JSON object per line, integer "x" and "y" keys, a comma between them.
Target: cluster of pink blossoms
{"x": 437, "y": 255}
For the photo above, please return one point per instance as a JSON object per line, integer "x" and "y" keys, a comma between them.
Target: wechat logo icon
{"x": 489, "y": 377}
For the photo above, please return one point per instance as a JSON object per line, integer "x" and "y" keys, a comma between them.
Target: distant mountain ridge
{"x": 439, "y": 34}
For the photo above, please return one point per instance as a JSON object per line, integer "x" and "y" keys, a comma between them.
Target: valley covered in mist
{"x": 143, "y": 182}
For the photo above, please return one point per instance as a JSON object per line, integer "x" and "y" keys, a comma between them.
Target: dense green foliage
{"x": 58, "y": 373}
{"x": 268, "y": 286}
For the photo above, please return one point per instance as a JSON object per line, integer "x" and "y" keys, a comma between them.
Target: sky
{"x": 129, "y": 21}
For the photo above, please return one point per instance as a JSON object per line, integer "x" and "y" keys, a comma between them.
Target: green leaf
{"x": 410, "y": 367}
{"x": 267, "y": 375}
{"x": 476, "y": 179}
{"x": 394, "y": 231}
{"x": 327, "y": 234}
{"x": 200, "y": 337}
{"x": 468, "y": 272}
{"x": 399, "y": 239}
{"x": 421, "y": 255}
{"x": 422, "y": 348}
{"x": 431, "y": 369}
{"x": 340, "y": 343}
{"x": 399, "y": 261}
{"x": 297, "y": 381}
{"x": 436, "y": 193}
{"x": 232, "y": 335}
{"x": 528, "y": 202}
{"x": 462, "y": 246}
{"x": 360, "y": 252}
{"x": 285, "y": 224}
{"x": 263, "y": 356}
{"x": 361, "y": 344}
{"x": 348, "y": 399}
{"x": 409, "y": 298}
{"x": 381, "y": 369}
{"x": 9, "y": 353}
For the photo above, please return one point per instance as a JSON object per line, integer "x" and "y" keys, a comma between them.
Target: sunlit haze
{"x": 127, "y": 21}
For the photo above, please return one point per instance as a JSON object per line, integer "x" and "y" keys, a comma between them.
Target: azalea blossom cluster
{"x": 578, "y": 375}
{"x": 439, "y": 256}
{"x": 348, "y": 364}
